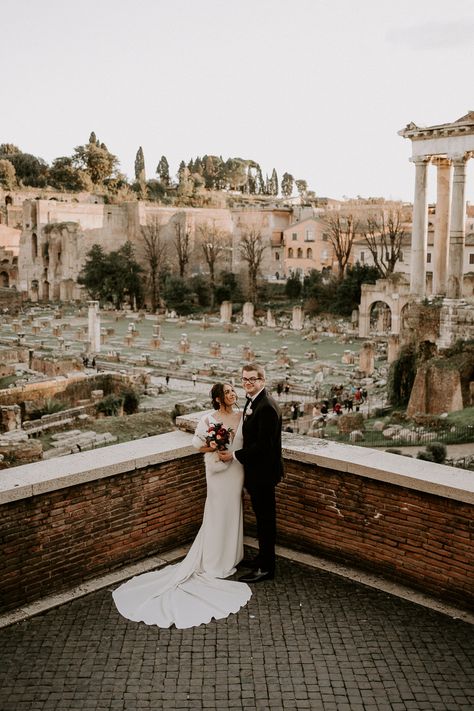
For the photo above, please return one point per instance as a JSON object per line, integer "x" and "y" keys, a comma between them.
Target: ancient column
{"x": 297, "y": 318}
{"x": 271, "y": 323}
{"x": 457, "y": 229}
{"x": 393, "y": 348}
{"x": 367, "y": 358}
{"x": 93, "y": 334}
{"x": 440, "y": 250}
{"x": 419, "y": 229}
{"x": 248, "y": 314}
{"x": 226, "y": 311}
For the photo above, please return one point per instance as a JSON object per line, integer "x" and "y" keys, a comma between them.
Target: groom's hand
{"x": 225, "y": 456}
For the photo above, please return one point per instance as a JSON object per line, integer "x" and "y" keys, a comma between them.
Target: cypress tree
{"x": 140, "y": 176}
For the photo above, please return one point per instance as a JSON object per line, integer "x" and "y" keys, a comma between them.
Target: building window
{"x": 34, "y": 246}
{"x": 325, "y": 236}
{"x": 300, "y": 253}
{"x": 471, "y": 258}
{"x": 309, "y": 253}
{"x": 309, "y": 236}
{"x": 362, "y": 257}
{"x": 324, "y": 254}
{"x": 294, "y": 236}
{"x": 400, "y": 258}
{"x": 428, "y": 258}
{"x": 277, "y": 256}
{"x": 290, "y": 253}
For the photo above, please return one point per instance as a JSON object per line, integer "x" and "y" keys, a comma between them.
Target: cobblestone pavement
{"x": 307, "y": 640}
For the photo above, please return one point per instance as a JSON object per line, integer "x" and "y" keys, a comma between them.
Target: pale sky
{"x": 318, "y": 88}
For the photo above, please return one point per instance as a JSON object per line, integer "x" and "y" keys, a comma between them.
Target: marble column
{"x": 457, "y": 229}
{"x": 93, "y": 335}
{"x": 440, "y": 246}
{"x": 420, "y": 227}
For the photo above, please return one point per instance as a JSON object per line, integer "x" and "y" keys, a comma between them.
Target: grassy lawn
{"x": 126, "y": 428}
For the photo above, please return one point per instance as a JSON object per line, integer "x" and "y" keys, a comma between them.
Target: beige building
{"x": 306, "y": 246}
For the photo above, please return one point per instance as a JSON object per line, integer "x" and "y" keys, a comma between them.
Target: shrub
{"x": 50, "y": 407}
{"x": 438, "y": 451}
{"x": 131, "y": 401}
{"x": 402, "y": 376}
{"x": 110, "y": 405}
{"x": 426, "y": 456}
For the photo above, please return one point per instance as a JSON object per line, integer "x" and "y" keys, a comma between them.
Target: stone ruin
{"x": 247, "y": 353}
{"x": 215, "y": 349}
{"x": 248, "y": 318}
{"x": 184, "y": 345}
{"x": 367, "y": 358}
{"x": 443, "y": 383}
{"x": 226, "y": 311}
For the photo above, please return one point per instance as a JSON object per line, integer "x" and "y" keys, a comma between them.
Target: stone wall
{"x": 10, "y": 300}
{"x": 67, "y": 390}
{"x": 57, "y": 236}
{"x": 420, "y": 322}
{"x": 435, "y": 390}
{"x": 456, "y": 322}
{"x": 68, "y": 521}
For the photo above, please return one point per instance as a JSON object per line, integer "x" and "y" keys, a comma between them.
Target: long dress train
{"x": 194, "y": 591}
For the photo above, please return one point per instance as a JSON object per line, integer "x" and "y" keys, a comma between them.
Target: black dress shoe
{"x": 247, "y": 563}
{"x": 257, "y": 576}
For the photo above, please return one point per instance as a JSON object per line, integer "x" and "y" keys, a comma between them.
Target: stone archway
{"x": 380, "y": 316}
{"x": 394, "y": 294}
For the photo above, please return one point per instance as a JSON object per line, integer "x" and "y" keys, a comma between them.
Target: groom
{"x": 263, "y": 466}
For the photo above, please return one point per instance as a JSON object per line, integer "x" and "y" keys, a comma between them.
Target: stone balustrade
{"x": 67, "y": 521}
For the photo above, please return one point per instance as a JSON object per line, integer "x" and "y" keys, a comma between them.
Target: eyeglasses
{"x": 250, "y": 380}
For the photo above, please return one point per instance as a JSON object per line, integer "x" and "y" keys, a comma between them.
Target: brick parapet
{"x": 64, "y": 522}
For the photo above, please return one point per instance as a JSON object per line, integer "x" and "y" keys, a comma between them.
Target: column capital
{"x": 441, "y": 161}
{"x": 460, "y": 158}
{"x": 420, "y": 160}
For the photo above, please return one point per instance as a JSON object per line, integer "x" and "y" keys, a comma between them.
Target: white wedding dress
{"x": 193, "y": 591}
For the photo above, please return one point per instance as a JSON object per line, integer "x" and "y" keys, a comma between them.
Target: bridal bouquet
{"x": 218, "y": 436}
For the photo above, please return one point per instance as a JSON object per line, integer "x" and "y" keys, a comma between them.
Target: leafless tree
{"x": 251, "y": 250}
{"x": 155, "y": 251}
{"x": 212, "y": 243}
{"x": 342, "y": 232}
{"x": 182, "y": 244}
{"x": 384, "y": 236}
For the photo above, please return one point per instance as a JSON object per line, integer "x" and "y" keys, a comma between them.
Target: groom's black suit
{"x": 263, "y": 469}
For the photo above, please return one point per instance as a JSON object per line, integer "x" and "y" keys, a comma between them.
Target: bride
{"x": 195, "y": 590}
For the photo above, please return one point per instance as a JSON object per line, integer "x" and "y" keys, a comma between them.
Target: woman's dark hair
{"x": 217, "y": 391}
{"x": 218, "y": 395}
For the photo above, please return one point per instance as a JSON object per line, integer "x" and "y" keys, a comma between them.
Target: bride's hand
{"x": 225, "y": 456}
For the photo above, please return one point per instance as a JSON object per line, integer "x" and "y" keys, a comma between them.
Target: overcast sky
{"x": 318, "y": 88}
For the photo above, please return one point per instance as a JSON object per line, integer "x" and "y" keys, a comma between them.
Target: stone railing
{"x": 65, "y": 522}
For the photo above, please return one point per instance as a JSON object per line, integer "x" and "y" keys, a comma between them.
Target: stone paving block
{"x": 307, "y": 640}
